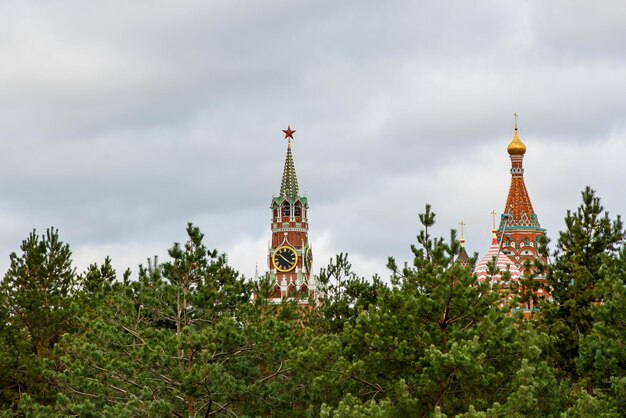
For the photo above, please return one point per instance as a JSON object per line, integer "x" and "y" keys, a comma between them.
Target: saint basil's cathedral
{"x": 514, "y": 247}
{"x": 515, "y": 244}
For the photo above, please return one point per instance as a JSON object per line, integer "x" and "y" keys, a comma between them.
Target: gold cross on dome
{"x": 462, "y": 229}
{"x": 515, "y": 115}
{"x": 493, "y": 215}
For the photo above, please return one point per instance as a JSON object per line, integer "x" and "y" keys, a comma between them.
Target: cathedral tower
{"x": 290, "y": 258}
{"x": 519, "y": 228}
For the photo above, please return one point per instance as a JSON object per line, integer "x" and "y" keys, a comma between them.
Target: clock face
{"x": 285, "y": 258}
{"x": 308, "y": 259}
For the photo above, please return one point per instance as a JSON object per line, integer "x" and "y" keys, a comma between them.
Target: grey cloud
{"x": 119, "y": 122}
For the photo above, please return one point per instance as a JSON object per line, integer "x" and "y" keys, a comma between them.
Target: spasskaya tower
{"x": 290, "y": 257}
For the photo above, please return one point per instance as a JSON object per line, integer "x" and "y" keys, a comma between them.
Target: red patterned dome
{"x": 503, "y": 263}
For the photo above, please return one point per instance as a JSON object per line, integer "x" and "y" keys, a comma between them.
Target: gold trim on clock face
{"x": 285, "y": 258}
{"x": 308, "y": 259}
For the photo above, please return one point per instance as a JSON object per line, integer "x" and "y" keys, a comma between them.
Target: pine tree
{"x": 602, "y": 352}
{"x": 345, "y": 295}
{"x": 36, "y": 300}
{"x": 38, "y": 288}
{"x": 591, "y": 239}
{"x": 435, "y": 342}
{"x": 172, "y": 343}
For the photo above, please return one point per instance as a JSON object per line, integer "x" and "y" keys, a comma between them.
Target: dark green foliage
{"x": 602, "y": 352}
{"x": 182, "y": 340}
{"x": 345, "y": 294}
{"x": 97, "y": 280}
{"x": 584, "y": 251}
{"x": 187, "y": 337}
{"x": 36, "y": 310}
{"x": 435, "y": 342}
{"x": 38, "y": 288}
{"x": 170, "y": 343}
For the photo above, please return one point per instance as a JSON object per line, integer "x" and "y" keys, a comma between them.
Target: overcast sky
{"x": 122, "y": 121}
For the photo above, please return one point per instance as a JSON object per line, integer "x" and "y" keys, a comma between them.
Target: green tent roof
{"x": 289, "y": 184}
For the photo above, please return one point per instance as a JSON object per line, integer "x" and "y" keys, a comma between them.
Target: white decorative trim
{"x": 292, "y": 229}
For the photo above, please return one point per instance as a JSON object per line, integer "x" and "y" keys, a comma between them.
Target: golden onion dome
{"x": 516, "y": 147}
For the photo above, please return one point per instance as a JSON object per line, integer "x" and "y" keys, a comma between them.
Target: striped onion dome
{"x": 503, "y": 262}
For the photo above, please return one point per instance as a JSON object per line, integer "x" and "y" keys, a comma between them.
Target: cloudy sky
{"x": 121, "y": 121}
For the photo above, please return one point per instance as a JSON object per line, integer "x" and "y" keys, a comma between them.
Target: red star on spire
{"x": 288, "y": 132}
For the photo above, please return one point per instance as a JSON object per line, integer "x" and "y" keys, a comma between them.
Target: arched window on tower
{"x": 275, "y": 210}
{"x": 286, "y": 209}
{"x": 297, "y": 210}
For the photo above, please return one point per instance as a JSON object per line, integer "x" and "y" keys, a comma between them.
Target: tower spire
{"x": 289, "y": 183}
{"x": 519, "y": 230}
{"x": 518, "y": 206}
